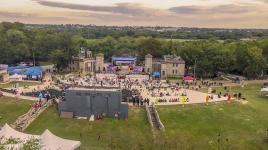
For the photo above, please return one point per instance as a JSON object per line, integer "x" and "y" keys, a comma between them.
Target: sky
{"x": 177, "y": 13}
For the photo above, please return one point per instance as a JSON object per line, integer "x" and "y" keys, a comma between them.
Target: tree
{"x": 150, "y": 45}
{"x": 255, "y": 63}
{"x": 59, "y": 58}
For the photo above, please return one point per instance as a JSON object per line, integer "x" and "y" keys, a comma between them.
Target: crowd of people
{"x": 156, "y": 90}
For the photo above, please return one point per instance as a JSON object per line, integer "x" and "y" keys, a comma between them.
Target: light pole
{"x": 194, "y": 67}
{"x": 33, "y": 58}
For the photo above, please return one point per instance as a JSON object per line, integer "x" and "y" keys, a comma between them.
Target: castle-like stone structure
{"x": 85, "y": 63}
{"x": 168, "y": 66}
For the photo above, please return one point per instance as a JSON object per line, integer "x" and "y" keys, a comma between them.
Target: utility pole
{"x": 33, "y": 58}
{"x": 194, "y": 67}
{"x": 171, "y": 42}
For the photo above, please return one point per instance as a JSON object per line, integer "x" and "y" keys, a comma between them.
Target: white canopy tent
{"x": 7, "y": 132}
{"x": 48, "y": 141}
{"x": 16, "y": 77}
{"x": 264, "y": 89}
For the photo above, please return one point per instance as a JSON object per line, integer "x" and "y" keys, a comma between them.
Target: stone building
{"x": 85, "y": 63}
{"x": 4, "y": 76}
{"x": 168, "y": 66}
{"x": 100, "y": 62}
{"x": 148, "y": 64}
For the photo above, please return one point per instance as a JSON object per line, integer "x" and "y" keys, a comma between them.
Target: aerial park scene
{"x": 145, "y": 78}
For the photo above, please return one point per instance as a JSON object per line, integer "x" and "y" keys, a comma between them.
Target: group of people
{"x": 149, "y": 90}
{"x": 38, "y": 104}
{"x": 139, "y": 101}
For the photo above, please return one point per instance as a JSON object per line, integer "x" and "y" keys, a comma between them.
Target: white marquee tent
{"x": 264, "y": 89}
{"x": 48, "y": 141}
{"x": 7, "y": 132}
{"x": 16, "y": 77}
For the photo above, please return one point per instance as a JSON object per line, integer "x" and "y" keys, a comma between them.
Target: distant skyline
{"x": 186, "y": 13}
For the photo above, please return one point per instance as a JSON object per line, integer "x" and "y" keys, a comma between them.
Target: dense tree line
{"x": 248, "y": 58}
{"x": 97, "y": 32}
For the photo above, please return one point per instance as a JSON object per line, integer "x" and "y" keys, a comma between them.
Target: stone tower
{"x": 148, "y": 68}
{"x": 99, "y": 62}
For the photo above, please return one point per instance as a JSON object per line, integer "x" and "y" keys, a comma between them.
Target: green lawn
{"x": 11, "y": 108}
{"x": 195, "y": 127}
{"x": 118, "y": 134}
{"x": 198, "y": 126}
{"x": 21, "y": 84}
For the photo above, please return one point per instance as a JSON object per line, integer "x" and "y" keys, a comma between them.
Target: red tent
{"x": 188, "y": 78}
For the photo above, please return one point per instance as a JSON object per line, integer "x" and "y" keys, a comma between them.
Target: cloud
{"x": 14, "y": 15}
{"x": 222, "y": 9}
{"x": 31, "y": 18}
{"x": 237, "y": 15}
{"x": 132, "y": 9}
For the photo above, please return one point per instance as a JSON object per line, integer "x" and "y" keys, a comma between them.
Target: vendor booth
{"x": 16, "y": 77}
{"x": 26, "y": 72}
{"x": 188, "y": 78}
{"x": 156, "y": 74}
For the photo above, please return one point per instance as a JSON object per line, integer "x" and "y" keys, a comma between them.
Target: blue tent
{"x": 33, "y": 71}
{"x": 156, "y": 74}
{"x": 17, "y": 69}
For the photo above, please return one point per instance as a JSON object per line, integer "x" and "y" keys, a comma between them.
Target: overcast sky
{"x": 189, "y": 13}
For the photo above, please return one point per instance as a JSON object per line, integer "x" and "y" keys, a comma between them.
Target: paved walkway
{"x": 195, "y": 97}
{"x": 43, "y": 86}
{"x": 20, "y": 97}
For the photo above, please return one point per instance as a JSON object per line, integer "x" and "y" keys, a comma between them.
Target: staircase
{"x": 23, "y": 121}
{"x": 153, "y": 118}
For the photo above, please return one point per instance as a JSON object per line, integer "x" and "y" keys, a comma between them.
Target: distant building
{"x": 82, "y": 102}
{"x": 4, "y": 76}
{"x": 85, "y": 63}
{"x": 168, "y": 66}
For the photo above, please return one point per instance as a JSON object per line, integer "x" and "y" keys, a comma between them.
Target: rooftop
{"x": 124, "y": 58}
{"x": 94, "y": 89}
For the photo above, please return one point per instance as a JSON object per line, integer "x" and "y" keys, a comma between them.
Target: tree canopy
{"x": 248, "y": 58}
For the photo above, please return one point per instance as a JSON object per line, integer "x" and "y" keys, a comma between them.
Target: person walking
{"x": 207, "y": 99}
{"x": 183, "y": 100}
{"x": 229, "y": 98}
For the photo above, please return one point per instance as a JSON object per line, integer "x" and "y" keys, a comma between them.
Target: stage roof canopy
{"x": 124, "y": 58}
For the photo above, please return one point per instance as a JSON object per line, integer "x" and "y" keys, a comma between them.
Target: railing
{"x": 153, "y": 117}
{"x": 23, "y": 121}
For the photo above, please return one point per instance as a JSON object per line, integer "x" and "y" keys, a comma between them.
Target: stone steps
{"x": 153, "y": 117}
{"x": 23, "y": 121}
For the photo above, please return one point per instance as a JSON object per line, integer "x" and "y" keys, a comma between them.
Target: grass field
{"x": 11, "y": 108}
{"x": 104, "y": 134}
{"x": 195, "y": 127}
{"x": 241, "y": 126}
{"x": 21, "y": 84}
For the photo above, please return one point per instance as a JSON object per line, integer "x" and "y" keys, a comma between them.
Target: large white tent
{"x": 265, "y": 89}
{"x": 7, "y": 132}
{"x": 16, "y": 77}
{"x": 48, "y": 141}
